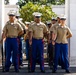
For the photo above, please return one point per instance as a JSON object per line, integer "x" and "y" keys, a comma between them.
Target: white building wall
{"x": 1, "y": 15}
{"x": 70, "y": 9}
{"x": 1, "y": 21}
{"x": 73, "y": 28}
{"x": 59, "y": 9}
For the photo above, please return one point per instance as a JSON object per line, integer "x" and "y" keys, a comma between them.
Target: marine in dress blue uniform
{"x": 19, "y": 39}
{"x": 11, "y": 31}
{"x": 50, "y": 45}
{"x": 26, "y": 38}
{"x": 36, "y": 31}
{"x": 63, "y": 33}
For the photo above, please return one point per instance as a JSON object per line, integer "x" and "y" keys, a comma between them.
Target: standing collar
{"x": 63, "y": 26}
{"x": 15, "y": 21}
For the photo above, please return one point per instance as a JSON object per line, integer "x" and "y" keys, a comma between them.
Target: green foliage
{"x": 21, "y": 3}
{"x": 6, "y": 2}
{"x": 56, "y": 2}
{"x": 59, "y": 2}
{"x": 53, "y": 2}
{"x": 27, "y": 10}
{"x": 62, "y": 1}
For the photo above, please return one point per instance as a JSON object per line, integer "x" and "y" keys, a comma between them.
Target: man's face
{"x": 12, "y": 17}
{"x": 49, "y": 25}
{"x": 27, "y": 25}
{"x": 37, "y": 20}
{"x": 62, "y": 21}
{"x": 53, "y": 21}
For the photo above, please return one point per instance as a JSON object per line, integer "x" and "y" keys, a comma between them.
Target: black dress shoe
{"x": 29, "y": 71}
{"x": 32, "y": 71}
{"x": 16, "y": 71}
{"x": 43, "y": 71}
{"x": 67, "y": 71}
{"x": 26, "y": 59}
{"x": 6, "y": 71}
{"x": 62, "y": 67}
{"x": 51, "y": 67}
{"x": 53, "y": 71}
{"x": 19, "y": 67}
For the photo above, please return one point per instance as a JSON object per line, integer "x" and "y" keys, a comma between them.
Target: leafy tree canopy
{"x": 28, "y": 9}
{"x": 6, "y": 2}
{"x": 54, "y": 2}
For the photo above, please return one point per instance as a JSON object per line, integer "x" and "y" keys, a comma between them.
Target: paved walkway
{"x": 24, "y": 71}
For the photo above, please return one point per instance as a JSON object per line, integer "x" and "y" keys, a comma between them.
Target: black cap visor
{"x": 63, "y": 19}
{"x": 37, "y": 16}
{"x": 11, "y": 15}
{"x": 54, "y": 20}
{"x": 49, "y": 24}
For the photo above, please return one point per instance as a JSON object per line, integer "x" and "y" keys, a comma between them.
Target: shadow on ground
{"x": 24, "y": 71}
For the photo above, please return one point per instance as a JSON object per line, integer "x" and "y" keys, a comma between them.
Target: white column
{"x": 1, "y": 16}
{"x": 70, "y": 11}
{"x": 1, "y": 20}
{"x": 67, "y": 11}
